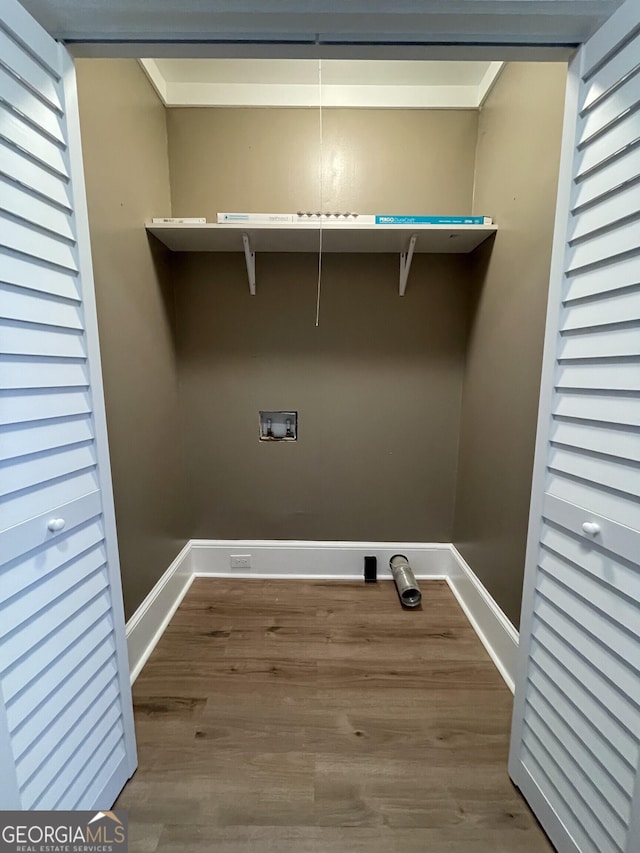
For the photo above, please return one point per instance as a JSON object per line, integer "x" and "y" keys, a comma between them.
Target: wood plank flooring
{"x": 321, "y": 717}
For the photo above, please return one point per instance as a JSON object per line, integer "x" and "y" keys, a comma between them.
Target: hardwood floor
{"x": 291, "y": 717}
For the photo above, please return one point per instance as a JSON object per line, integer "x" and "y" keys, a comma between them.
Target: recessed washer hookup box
{"x": 278, "y": 426}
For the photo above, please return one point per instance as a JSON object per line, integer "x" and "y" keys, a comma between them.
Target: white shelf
{"x": 336, "y": 237}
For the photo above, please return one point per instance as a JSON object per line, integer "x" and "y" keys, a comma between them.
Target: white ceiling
{"x": 335, "y": 72}
{"x": 334, "y": 83}
{"x": 306, "y": 27}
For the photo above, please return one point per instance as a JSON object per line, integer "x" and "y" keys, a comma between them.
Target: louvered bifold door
{"x": 575, "y": 751}
{"x": 66, "y": 731}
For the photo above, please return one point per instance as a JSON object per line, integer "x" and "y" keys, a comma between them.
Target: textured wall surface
{"x": 377, "y": 387}
{"x": 373, "y": 161}
{"x": 124, "y": 140}
{"x": 516, "y": 179}
{"x": 378, "y": 384}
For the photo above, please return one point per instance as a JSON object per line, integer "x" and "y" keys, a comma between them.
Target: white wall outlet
{"x": 240, "y": 561}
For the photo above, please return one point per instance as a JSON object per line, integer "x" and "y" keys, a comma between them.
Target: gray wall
{"x": 516, "y": 178}
{"x": 374, "y": 161}
{"x": 377, "y": 387}
{"x": 124, "y": 141}
{"x": 378, "y": 384}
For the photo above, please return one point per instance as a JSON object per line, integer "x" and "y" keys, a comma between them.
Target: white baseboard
{"x": 300, "y": 560}
{"x": 497, "y": 634}
{"x": 150, "y": 620}
{"x": 314, "y": 560}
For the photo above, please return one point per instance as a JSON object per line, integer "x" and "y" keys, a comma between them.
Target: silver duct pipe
{"x": 405, "y": 581}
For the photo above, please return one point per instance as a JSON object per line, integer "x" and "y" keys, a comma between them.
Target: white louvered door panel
{"x": 66, "y": 724}
{"x": 575, "y": 750}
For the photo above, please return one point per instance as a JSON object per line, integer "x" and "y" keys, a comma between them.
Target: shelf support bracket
{"x": 405, "y": 263}
{"x": 250, "y": 258}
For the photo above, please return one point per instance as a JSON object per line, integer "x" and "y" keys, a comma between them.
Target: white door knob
{"x": 591, "y": 528}
{"x": 56, "y": 524}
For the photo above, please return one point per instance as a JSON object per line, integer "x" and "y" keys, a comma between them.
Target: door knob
{"x": 591, "y": 528}
{"x": 56, "y": 524}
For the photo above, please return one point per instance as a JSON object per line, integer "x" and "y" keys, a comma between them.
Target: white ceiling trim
{"x": 201, "y": 94}
{"x": 489, "y": 81}
{"x": 150, "y": 68}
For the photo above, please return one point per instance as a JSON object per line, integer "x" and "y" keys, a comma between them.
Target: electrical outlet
{"x": 240, "y": 561}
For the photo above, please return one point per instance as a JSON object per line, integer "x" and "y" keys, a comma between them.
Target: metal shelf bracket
{"x": 405, "y": 263}
{"x": 250, "y": 258}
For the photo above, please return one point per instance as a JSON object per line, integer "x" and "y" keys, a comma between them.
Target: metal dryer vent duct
{"x": 405, "y": 581}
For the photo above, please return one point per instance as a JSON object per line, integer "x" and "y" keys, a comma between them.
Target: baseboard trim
{"x": 308, "y": 560}
{"x": 305, "y": 577}
{"x": 150, "y": 620}
{"x": 301, "y": 559}
{"x": 497, "y": 634}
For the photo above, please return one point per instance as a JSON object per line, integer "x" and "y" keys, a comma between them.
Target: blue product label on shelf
{"x": 430, "y": 220}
